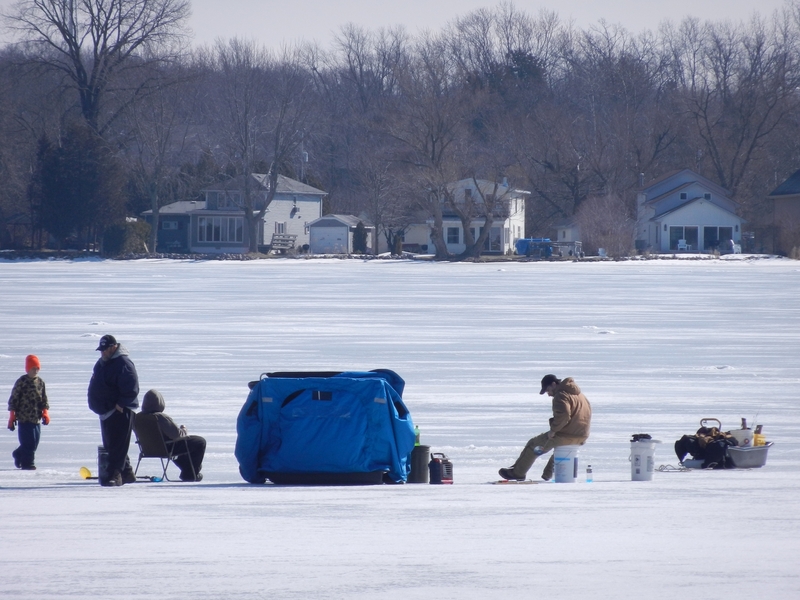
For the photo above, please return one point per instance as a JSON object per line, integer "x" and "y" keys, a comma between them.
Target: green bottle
{"x": 416, "y": 434}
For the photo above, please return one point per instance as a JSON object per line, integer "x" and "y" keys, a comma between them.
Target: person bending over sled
{"x": 153, "y": 403}
{"x": 572, "y": 416}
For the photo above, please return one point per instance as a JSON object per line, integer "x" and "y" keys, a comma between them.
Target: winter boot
{"x": 510, "y": 475}
{"x": 128, "y": 476}
{"x": 115, "y": 480}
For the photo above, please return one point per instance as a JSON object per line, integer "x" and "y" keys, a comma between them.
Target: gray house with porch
{"x": 216, "y": 223}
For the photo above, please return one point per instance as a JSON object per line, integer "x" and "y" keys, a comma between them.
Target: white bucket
{"x": 743, "y": 437}
{"x": 643, "y": 459}
{"x": 566, "y": 463}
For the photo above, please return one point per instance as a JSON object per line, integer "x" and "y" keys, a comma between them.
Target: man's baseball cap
{"x": 547, "y": 380}
{"x": 106, "y": 342}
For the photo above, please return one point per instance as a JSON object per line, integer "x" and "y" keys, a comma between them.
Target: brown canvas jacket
{"x": 572, "y": 413}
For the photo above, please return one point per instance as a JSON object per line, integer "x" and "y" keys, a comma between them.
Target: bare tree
{"x": 262, "y": 107}
{"x": 93, "y": 42}
{"x": 160, "y": 123}
{"x": 739, "y": 86}
{"x": 485, "y": 205}
{"x": 428, "y": 122}
{"x": 605, "y": 223}
{"x": 31, "y": 106}
{"x": 358, "y": 81}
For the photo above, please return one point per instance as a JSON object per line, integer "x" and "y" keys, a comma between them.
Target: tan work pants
{"x": 528, "y": 455}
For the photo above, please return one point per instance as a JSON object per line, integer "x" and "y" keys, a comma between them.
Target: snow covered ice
{"x": 655, "y": 345}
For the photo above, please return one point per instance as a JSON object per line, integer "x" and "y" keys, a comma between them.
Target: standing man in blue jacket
{"x": 113, "y": 395}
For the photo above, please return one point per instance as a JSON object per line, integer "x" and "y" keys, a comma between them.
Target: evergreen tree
{"x": 360, "y": 239}
{"x": 80, "y": 186}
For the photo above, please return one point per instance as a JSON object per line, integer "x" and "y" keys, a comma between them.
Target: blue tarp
{"x": 325, "y": 428}
{"x": 534, "y": 246}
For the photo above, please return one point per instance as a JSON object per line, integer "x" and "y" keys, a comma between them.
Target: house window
{"x": 453, "y": 235}
{"x": 717, "y": 237}
{"x": 220, "y": 229}
{"x": 467, "y": 194}
{"x": 690, "y": 235}
{"x": 280, "y": 226}
{"x": 684, "y": 196}
{"x": 169, "y": 224}
{"x": 494, "y": 241}
{"x": 306, "y": 228}
{"x": 675, "y": 234}
{"x": 220, "y": 200}
{"x": 707, "y": 195}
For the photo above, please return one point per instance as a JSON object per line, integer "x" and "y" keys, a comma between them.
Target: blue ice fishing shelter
{"x": 325, "y": 428}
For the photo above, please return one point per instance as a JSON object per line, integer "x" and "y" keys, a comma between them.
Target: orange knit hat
{"x": 32, "y": 361}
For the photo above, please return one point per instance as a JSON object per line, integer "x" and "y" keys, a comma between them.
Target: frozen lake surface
{"x": 655, "y": 345}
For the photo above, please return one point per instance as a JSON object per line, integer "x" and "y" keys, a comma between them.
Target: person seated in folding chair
{"x": 153, "y": 403}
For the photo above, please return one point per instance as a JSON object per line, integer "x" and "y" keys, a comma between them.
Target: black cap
{"x": 547, "y": 380}
{"x": 106, "y": 342}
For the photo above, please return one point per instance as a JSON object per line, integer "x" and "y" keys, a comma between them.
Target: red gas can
{"x": 441, "y": 469}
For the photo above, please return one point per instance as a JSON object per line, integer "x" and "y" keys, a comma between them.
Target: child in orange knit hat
{"x": 27, "y": 406}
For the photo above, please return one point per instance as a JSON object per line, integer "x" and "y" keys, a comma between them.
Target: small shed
{"x": 334, "y": 234}
{"x": 568, "y": 230}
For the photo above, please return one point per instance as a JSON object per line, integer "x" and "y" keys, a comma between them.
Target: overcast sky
{"x": 274, "y": 22}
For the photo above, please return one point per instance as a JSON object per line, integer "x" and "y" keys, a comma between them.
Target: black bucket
{"x": 420, "y": 456}
{"x": 102, "y": 464}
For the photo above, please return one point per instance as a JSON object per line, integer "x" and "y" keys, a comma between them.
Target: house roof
{"x": 348, "y": 220}
{"x": 790, "y": 187}
{"x": 696, "y": 178}
{"x": 486, "y": 187}
{"x": 669, "y": 192}
{"x": 659, "y": 216}
{"x": 181, "y": 207}
{"x": 286, "y": 185}
{"x": 18, "y": 219}
{"x": 567, "y": 223}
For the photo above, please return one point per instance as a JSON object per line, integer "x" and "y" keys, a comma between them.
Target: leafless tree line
{"x": 383, "y": 121}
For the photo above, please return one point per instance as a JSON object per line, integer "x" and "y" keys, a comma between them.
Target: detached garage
{"x": 334, "y": 234}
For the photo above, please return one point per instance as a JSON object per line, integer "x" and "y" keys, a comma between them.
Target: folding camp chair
{"x": 152, "y": 444}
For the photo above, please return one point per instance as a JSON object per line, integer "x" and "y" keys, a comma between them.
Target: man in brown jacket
{"x": 572, "y": 416}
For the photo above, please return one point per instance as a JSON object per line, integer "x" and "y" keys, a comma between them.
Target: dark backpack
{"x": 709, "y": 445}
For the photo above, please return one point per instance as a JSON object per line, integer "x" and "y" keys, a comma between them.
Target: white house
{"x": 333, "y": 234}
{"x": 216, "y": 224}
{"x": 684, "y": 211}
{"x": 507, "y": 228}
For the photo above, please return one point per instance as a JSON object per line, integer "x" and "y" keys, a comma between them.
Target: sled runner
{"x": 85, "y": 473}
{"x": 514, "y": 482}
